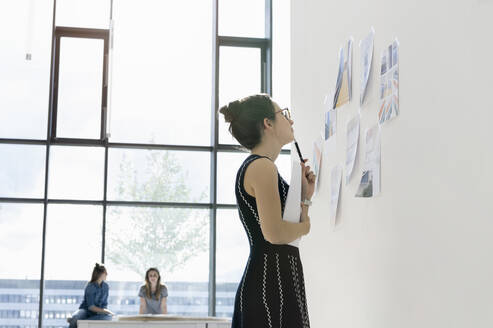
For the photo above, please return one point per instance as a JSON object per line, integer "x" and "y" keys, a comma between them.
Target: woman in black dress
{"x": 271, "y": 292}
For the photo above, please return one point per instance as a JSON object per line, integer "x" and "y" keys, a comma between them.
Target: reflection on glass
{"x": 73, "y": 246}
{"x": 22, "y": 171}
{"x": 24, "y": 84}
{"x": 21, "y": 228}
{"x": 231, "y": 257}
{"x": 242, "y": 18}
{"x": 87, "y": 13}
{"x": 227, "y": 167}
{"x": 80, "y": 88}
{"x": 158, "y": 175}
{"x": 76, "y": 173}
{"x": 175, "y": 240}
{"x": 239, "y": 76}
{"x": 162, "y": 79}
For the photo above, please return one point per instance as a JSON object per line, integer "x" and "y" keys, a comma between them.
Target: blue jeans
{"x": 82, "y": 314}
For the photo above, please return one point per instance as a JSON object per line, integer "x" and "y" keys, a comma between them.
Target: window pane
{"x": 159, "y": 175}
{"x": 162, "y": 72}
{"x": 80, "y": 88}
{"x": 242, "y": 18}
{"x": 22, "y": 171}
{"x": 239, "y": 76}
{"x": 175, "y": 240}
{"x": 73, "y": 246}
{"x": 228, "y": 165}
{"x": 83, "y": 13}
{"x": 232, "y": 254}
{"x": 281, "y": 70}
{"x": 25, "y": 83}
{"x": 76, "y": 173}
{"x": 20, "y": 245}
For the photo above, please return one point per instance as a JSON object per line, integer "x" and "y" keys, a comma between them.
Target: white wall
{"x": 419, "y": 254}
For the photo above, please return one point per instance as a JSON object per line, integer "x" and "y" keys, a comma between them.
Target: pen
{"x": 299, "y": 151}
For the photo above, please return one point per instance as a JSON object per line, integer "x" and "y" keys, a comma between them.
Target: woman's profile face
{"x": 283, "y": 126}
{"x": 104, "y": 275}
{"x": 153, "y": 276}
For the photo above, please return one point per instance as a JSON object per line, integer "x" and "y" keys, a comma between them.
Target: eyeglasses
{"x": 285, "y": 112}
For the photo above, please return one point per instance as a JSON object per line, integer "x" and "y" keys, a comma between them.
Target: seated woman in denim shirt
{"x": 95, "y": 301}
{"x": 153, "y": 294}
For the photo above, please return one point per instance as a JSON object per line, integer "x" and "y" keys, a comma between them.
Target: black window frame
{"x": 265, "y": 46}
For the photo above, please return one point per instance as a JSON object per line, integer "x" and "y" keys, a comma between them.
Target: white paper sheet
{"x": 351, "y": 145}
{"x": 370, "y": 179}
{"x": 335, "y": 190}
{"x": 366, "y": 50}
{"x": 292, "y": 209}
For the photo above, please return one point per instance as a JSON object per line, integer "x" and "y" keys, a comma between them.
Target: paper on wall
{"x": 335, "y": 190}
{"x": 317, "y": 161}
{"x": 389, "y": 83}
{"x": 370, "y": 179}
{"x": 343, "y": 91}
{"x": 351, "y": 145}
{"x": 366, "y": 50}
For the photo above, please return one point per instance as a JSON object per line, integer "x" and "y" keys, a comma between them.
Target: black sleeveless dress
{"x": 271, "y": 293}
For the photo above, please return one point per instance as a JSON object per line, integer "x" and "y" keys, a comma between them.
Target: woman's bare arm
{"x": 262, "y": 182}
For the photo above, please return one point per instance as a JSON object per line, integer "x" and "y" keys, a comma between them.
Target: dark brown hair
{"x": 98, "y": 270}
{"x": 159, "y": 287}
{"x": 246, "y": 117}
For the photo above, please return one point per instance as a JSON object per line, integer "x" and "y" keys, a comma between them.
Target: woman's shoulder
{"x": 164, "y": 291}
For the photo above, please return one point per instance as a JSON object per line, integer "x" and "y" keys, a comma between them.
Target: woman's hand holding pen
{"x": 307, "y": 182}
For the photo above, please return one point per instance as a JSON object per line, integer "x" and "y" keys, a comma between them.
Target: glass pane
{"x": 73, "y": 246}
{"x": 80, "y": 88}
{"x": 159, "y": 175}
{"x": 25, "y": 83}
{"x": 239, "y": 76}
{"x": 228, "y": 165}
{"x": 242, "y": 18}
{"x": 83, "y": 13}
{"x": 76, "y": 173}
{"x": 162, "y": 72}
{"x": 21, "y": 229}
{"x": 175, "y": 240}
{"x": 22, "y": 171}
{"x": 232, "y": 255}
{"x": 281, "y": 44}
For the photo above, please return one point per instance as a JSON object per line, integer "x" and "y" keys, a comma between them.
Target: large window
{"x": 111, "y": 148}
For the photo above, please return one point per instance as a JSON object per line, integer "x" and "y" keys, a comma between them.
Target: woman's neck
{"x": 268, "y": 149}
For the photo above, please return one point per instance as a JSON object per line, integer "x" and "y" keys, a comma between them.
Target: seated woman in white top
{"x": 153, "y": 294}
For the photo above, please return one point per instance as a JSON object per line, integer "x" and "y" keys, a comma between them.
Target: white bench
{"x": 157, "y": 321}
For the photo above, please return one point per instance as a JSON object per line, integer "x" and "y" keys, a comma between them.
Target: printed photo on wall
{"x": 366, "y": 50}
{"x": 343, "y": 91}
{"x": 317, "y": 161}
{"x": 370, "y": 179}
{"x": 389, "y": 83}
{"x": 330, "y": 123}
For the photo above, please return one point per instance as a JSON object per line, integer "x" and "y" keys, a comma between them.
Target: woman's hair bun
{"x": 231, "y": 111}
